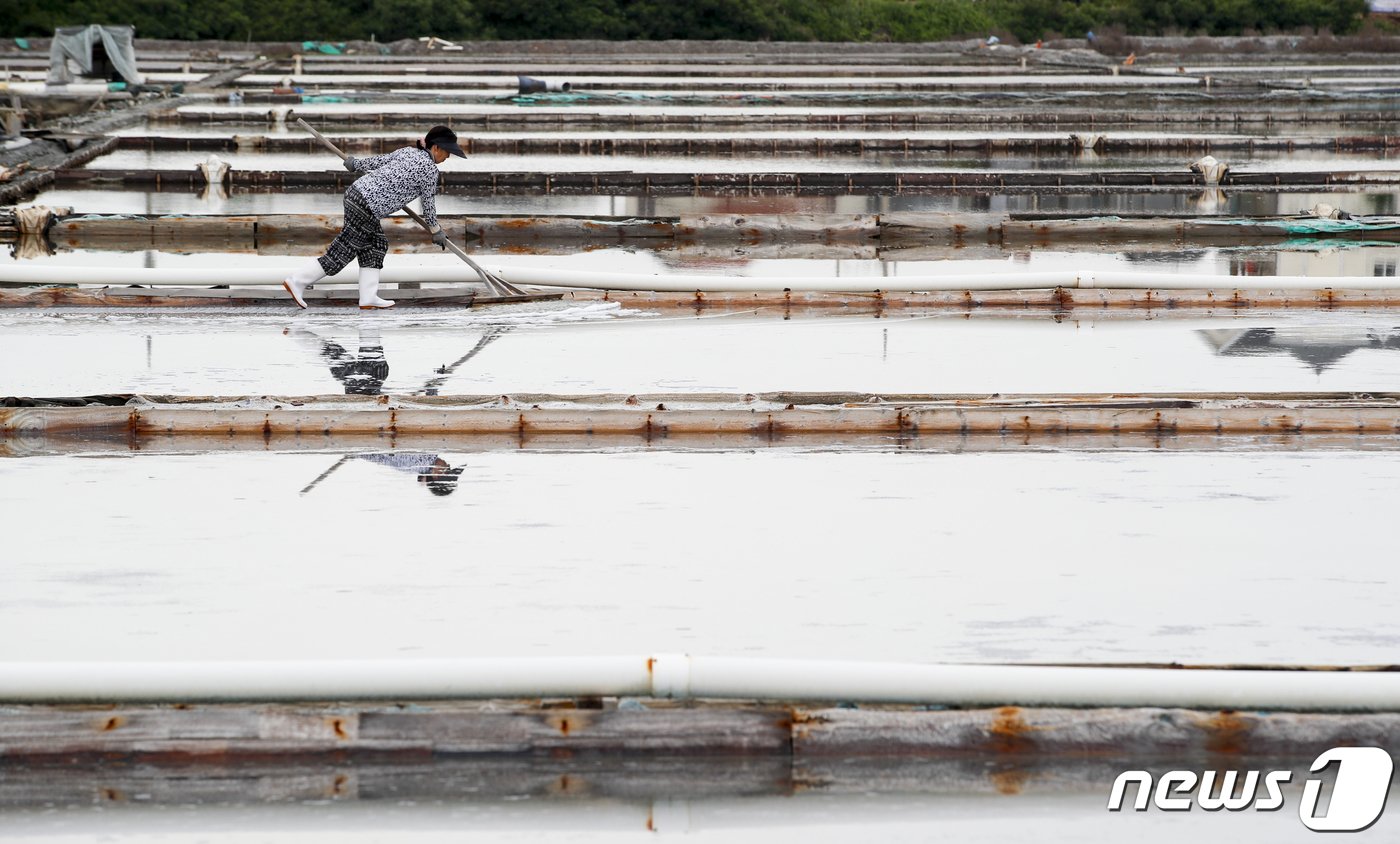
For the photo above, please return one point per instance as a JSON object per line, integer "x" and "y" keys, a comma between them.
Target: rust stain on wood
{"x": 569, "y": 785}
{"x": 1227, "y": 732}
{"x": 338, "y": 786}
{"x": 1009, "y": 733}
{"x": 1010, "y": 782}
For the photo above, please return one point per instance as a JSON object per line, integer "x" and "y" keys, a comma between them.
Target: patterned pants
{"x": 362, "y": 238}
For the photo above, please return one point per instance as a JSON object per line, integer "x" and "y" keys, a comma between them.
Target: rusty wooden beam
{"x": 772, "y": 417}
{"x": 82, "y": 230}
{"x": 1058, "y": 303}
{"x": 195, "y": 734}
{"x": 899, "y": 230}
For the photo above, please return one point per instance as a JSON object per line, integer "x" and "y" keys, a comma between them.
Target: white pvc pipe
{"x": 952, "y": 281}
{"x": 86, "y": 89}
{"x": 680, "y": 283}
{"x": 204, "y": 276}
{"x": 1046, "y": 686}
{"x": 322, "y": 680}
{"x": 681, "y": 676}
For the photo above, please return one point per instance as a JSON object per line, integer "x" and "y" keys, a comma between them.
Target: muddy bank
{"x": 51, "y": 157}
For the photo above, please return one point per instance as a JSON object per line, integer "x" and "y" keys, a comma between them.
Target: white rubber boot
{"x": 298, "y": 282}
{"x": 369, "y": 290}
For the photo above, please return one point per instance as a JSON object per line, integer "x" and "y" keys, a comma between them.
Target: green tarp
{"x": 1316, "y": 225}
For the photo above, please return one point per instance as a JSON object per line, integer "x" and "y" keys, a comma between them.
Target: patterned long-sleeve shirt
{"x": 394, "y": 179}
{"x": 416, "y": 462}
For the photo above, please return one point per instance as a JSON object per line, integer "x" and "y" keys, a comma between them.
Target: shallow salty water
{"x": 1231, "y": 557}
{"x": 596, "y": 347}
{"x": 599, "y": 347}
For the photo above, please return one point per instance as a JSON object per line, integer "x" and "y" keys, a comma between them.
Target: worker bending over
{"x": 390, "y": 182}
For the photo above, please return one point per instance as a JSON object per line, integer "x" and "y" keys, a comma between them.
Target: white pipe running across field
{"x": 679, "y": 283}
{"x": 684, "y": 677}
{"x": 86, "y": 89}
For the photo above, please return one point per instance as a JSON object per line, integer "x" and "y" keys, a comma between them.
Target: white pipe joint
{"x": 530, "y": 85}
{"x": 670, "y": 676}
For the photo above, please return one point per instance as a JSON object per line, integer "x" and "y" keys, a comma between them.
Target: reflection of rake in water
{"x": 431, "y": 388}
{"x": 325, "y": 474}
{"x": 498, "y": 285}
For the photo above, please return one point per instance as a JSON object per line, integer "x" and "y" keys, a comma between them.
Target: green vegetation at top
{"x": 748, "y": 20}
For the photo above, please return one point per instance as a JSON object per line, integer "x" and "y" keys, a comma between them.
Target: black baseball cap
{"x": 441, "y": 136}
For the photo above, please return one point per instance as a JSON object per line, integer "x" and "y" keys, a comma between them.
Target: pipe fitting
{"x": 670, "y": 676}
{"x": 530, "y": 85}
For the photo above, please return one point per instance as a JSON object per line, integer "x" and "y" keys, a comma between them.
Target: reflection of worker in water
{"x": 431, "y": 470}
{"x": 362, "y": 373}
